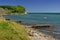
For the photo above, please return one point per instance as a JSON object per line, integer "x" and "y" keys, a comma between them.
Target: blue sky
{"x": 35, "y": 5}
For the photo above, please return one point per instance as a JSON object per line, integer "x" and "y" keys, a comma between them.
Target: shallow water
{"x": 50, "y": 18}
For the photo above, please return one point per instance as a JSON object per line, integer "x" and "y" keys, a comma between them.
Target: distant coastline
{"x": 41, "y": 13}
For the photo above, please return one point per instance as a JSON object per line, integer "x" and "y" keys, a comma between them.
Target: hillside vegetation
{"x": 13, "y": 9}
{"x": 12, "y": 31}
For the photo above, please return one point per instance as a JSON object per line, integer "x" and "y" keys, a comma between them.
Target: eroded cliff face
{"x": 4, "y": 11}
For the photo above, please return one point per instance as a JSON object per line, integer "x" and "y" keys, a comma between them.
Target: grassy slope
{"x": 12, "y": 31}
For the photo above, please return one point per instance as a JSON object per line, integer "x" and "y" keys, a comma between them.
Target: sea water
{"x": 50, "y": 18}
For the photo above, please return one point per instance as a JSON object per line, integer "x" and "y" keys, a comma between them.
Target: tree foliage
{"x": 14, "y": 9}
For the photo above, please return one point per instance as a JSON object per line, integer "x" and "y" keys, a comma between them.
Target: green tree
{"x": 14, "y": 9}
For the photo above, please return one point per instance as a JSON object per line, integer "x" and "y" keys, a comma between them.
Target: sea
{"x": 48, "y": 18}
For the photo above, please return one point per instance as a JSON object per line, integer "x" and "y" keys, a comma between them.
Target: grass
{"x": 12, "y": 31}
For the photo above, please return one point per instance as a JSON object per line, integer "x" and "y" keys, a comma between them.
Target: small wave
{"x": 56, "y": 32}
{"x": 45, "y": 17}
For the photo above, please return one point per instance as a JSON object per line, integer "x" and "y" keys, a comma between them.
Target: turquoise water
{"x": 50, "y": 18}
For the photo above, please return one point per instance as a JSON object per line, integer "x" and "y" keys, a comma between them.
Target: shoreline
{"x": 36, "y": 35}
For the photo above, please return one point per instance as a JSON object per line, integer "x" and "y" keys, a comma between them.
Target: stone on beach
{"x": 36, "y": 35}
